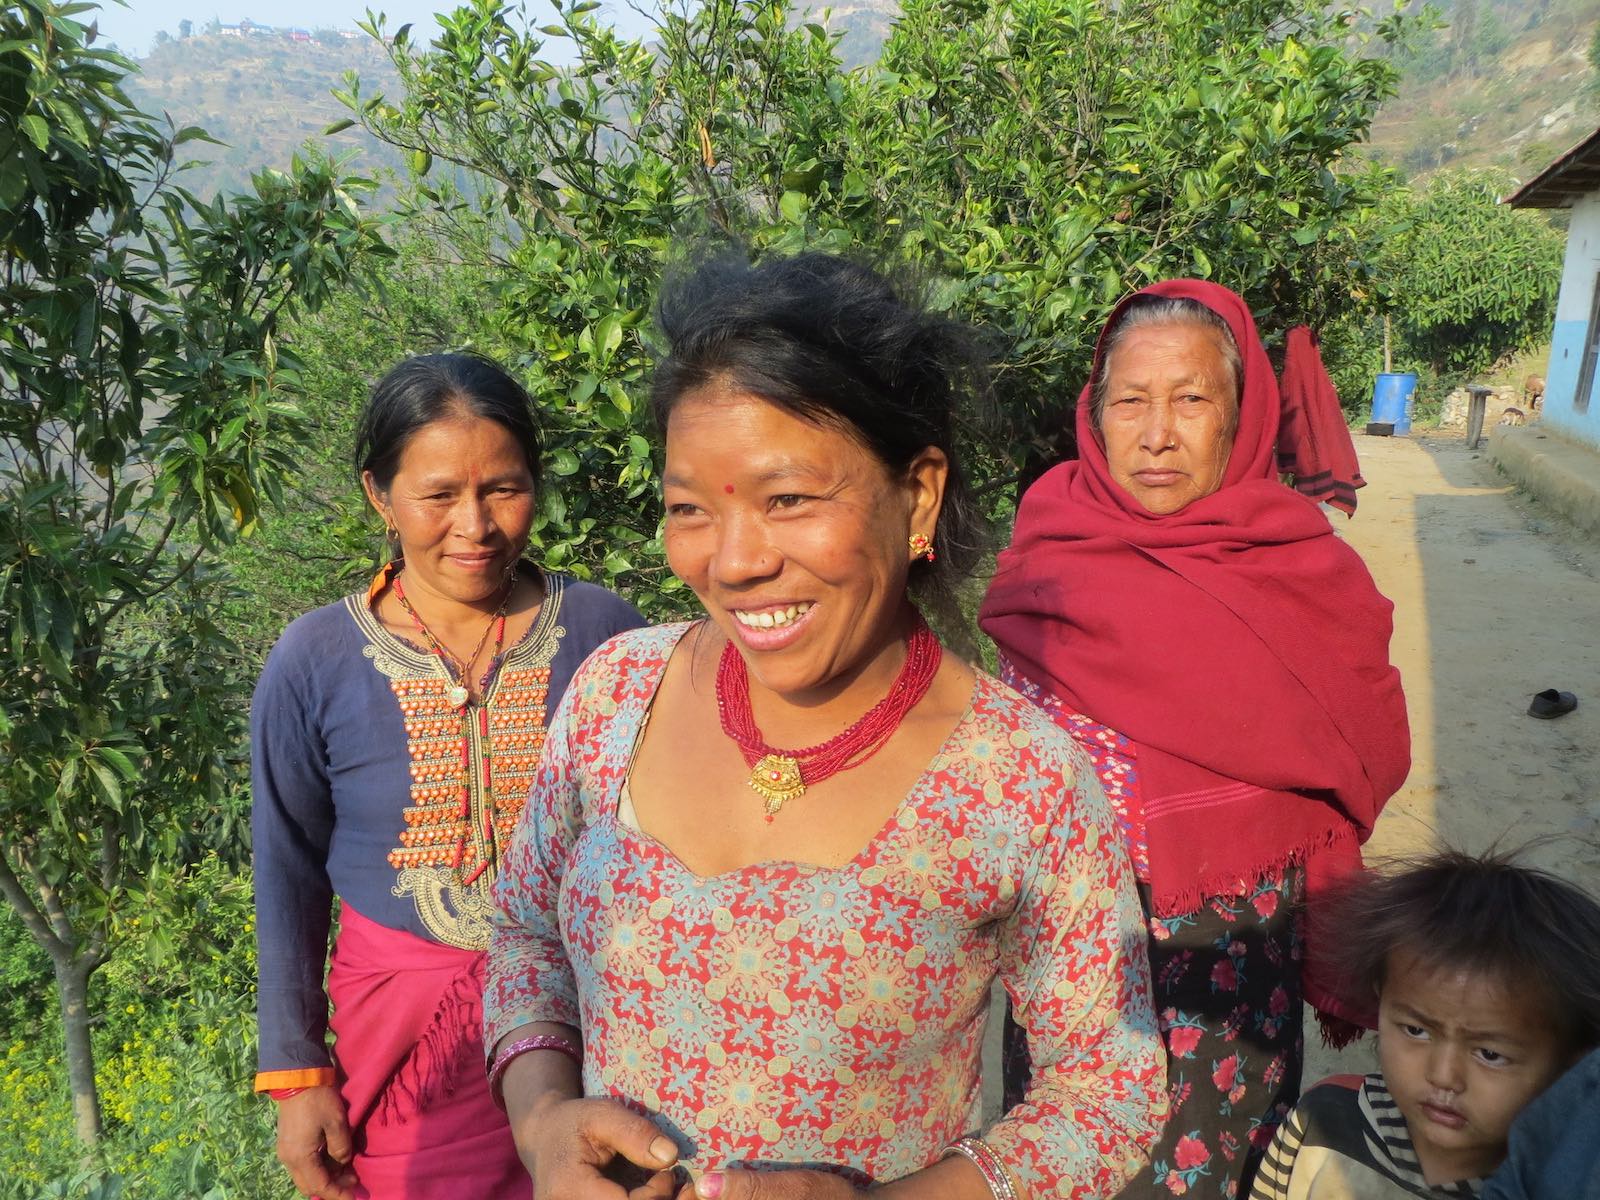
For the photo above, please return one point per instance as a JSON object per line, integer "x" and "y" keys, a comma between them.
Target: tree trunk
{"x": 72, "y": 985}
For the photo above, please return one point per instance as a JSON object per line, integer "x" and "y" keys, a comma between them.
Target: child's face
{"x": 1462, "y": 1055}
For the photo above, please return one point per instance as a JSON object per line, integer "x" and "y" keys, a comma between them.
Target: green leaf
{"x": 110, "y": 787}
{"x": 793, "y": 206}
{"x": 805, "y": 178}
{"x": 608, "y": 336}
{"x": 564, "y": 462}
{"x": 37, "y": 130}
{"x": 193, "y": 133}
{"x": 338, "y": 127}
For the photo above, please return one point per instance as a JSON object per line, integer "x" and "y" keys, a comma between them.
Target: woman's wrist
{"x": 951, "y": 1178}
{"x": 510, "y": 1051}
{"x": 533, "y": 1081}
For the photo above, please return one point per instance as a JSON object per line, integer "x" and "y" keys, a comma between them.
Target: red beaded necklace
{"x": 778, "y": 776}
{"x": 455, "y": 667}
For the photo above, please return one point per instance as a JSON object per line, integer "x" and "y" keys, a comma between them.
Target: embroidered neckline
{"x": 531, "y": 647}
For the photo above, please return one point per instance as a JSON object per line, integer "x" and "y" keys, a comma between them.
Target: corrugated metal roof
{"x": 1573, "y": 175}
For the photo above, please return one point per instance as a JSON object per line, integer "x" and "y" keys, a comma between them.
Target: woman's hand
{"x": 769, "y": 1185}
{"x": 314, "y": 1143}
{"x": 595, "y": 1150}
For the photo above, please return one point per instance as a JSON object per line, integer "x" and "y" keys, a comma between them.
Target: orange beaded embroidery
{"x": 505, "y": 739}
{"x": 471, "y": 769}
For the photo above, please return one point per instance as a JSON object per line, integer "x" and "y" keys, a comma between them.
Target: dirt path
{"x": 1492, "y": 603}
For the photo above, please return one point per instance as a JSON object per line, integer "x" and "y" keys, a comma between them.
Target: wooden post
{"x": 1388, "y": 359}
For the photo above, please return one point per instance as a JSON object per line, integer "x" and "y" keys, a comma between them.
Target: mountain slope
{"x": 262, "y": 96}
{"x": 1504, "y": 83}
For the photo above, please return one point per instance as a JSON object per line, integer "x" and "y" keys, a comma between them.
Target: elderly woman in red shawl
{"x": 1224, "y": 659}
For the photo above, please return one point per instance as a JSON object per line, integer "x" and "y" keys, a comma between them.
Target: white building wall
{"x": 1563, "y": 409}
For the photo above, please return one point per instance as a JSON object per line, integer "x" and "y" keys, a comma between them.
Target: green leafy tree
{"x": 1067, "y": 176}
{"x": 141, "y": 427}
{"x": 1039, "y": 159}
{"x": 1466, "y": 280}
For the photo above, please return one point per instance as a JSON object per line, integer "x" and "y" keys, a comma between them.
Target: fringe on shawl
{"x": 441, "y": 1055}
{"x": 1183, "y": 895}
{"x": 1339, "y": 1021}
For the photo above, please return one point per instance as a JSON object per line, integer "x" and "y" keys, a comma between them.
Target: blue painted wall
{"x": 1576, "y": 301}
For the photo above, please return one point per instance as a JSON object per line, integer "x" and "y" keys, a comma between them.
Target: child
{"x": 1488, "y": 983}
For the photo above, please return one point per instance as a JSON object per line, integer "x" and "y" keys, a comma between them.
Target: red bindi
{"x": 728, "y": 487}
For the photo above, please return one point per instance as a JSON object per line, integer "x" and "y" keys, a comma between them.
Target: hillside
{"x": 1504, "y": 82}
{"x": 262, "y": 96}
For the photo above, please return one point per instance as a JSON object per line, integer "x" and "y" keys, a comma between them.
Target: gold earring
{"x": 922, "y": 546}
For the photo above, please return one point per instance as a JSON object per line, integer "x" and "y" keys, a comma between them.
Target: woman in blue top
{"x": 395, "y": 735}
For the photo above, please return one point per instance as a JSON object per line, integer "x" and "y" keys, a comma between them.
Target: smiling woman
{"x": 394, "y": 738}
{"x": 778, "y": 856}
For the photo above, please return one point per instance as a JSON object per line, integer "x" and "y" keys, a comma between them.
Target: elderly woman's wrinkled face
{"x": 1171, "y": 406}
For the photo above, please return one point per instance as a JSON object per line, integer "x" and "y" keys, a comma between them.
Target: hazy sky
{"x": 133, "y": 26}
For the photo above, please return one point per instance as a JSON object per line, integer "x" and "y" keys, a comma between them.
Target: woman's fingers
{"x": 663, "y": 1185}
{"x": 340, "y": 1144}
{"x": 598, "y": 1150}
{"x": 612, "y": 1129}
{"x": 315, "y": 1146}
{"x": 769, "y": 1185}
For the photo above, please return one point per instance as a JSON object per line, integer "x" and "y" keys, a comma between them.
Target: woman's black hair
{"x": 433, "y": 387}
{"x": 834, "y": 342}
{"x": 1485, "y": 914}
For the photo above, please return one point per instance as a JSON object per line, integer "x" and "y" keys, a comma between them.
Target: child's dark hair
{"x": 833, "y": 342}
{"x": 1486, "y": 914}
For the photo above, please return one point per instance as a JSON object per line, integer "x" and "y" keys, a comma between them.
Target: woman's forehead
{"x": 1171, "y": 345}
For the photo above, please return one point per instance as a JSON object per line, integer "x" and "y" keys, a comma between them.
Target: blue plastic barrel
{"x": 1392, "y": 398}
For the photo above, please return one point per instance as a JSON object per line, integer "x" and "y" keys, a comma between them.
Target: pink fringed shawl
{"x": 408, "y": 1024}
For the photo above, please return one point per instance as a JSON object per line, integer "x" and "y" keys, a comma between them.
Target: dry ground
{"x": 1493, "y": 602}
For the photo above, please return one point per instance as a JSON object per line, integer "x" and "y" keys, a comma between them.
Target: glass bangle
{"x": 977, "y": 1152}
{"x": 542, "y": 1041}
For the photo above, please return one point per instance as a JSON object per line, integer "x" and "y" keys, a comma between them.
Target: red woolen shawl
{"x": 1313, "y": 441}
{"x": 1238, "y": 642}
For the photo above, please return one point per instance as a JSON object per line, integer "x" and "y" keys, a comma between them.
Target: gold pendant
{"x": 776, "y": 779}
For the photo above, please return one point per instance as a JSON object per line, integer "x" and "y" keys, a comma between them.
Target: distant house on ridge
{"x": 1572, "y": 181}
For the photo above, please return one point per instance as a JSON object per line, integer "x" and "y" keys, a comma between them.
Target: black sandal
{"x": 1549, "y": 704}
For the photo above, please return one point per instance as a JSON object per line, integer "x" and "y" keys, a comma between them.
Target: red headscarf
{"x": 1238, "y": 642}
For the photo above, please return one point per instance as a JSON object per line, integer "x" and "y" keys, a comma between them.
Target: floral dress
{"x": 787, "y": 1014}
{"x": 1227, "y": 992}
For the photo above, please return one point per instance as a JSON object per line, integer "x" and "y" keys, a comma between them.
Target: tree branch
{"x": 32, "y": 919}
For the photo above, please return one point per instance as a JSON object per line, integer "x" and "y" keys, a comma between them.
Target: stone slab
{"x": 1560, "y": 474}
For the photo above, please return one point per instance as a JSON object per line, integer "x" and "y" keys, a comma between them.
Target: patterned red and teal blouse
{"x": 792, "y": 1014}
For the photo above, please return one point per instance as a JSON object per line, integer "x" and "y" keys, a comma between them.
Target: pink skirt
{"x": 408, "y": 1051}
